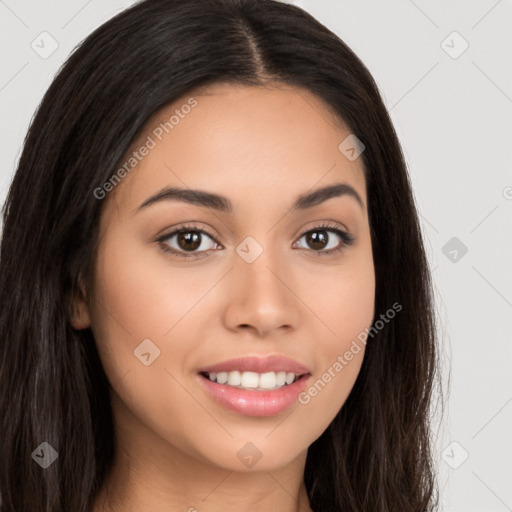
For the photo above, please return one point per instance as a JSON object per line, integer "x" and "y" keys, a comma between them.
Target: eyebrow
{"x": 223, "y": 204}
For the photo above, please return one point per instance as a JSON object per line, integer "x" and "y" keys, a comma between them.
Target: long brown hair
{"x": 376, "y": 454}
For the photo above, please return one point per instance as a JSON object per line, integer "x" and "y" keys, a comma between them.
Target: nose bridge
{"x": 262, "y": 297}
{"x": 259, "y": 260}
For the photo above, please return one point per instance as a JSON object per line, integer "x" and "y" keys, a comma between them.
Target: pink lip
{"x": 273, "y": 363}
{"x": 255, "y": 403}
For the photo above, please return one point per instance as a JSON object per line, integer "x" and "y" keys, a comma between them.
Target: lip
{"x": 255, "y": 403}
{"x": 273, "y": 363}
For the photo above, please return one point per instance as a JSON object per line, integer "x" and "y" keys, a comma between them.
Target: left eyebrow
{"x": 323, "y": 194}
{"x": 223, "y": 204}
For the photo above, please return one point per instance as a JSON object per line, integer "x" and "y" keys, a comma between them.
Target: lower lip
{"x": 255, "y": 403}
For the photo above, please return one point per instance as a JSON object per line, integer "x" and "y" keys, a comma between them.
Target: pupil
{"x": 189, "y": 240}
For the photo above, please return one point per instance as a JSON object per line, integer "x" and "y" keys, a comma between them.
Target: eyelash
{"x": 347, "y": 240}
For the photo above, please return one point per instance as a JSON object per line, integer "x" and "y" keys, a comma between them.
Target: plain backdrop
{"x": 444, "y": 71}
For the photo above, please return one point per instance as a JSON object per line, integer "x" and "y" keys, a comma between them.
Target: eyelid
{"x": 326, "y": 224}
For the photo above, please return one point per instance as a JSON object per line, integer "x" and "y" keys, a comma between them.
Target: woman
{"x": 214, "y": 290}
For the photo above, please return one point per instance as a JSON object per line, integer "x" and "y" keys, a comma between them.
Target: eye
{"x": 192, "y": 242}
{"x": 188, "y": 239}
{"x": 319, "y": 240}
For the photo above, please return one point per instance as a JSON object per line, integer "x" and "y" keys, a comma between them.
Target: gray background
{"x": 452, "y": 111}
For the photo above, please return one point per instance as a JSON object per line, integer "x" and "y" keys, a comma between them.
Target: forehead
{"x": 242, "y": 142}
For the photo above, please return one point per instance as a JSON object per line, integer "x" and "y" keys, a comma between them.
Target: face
{"x": 268, "y": 276}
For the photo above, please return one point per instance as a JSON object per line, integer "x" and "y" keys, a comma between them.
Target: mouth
{"x": 254, "y": 400}
{"x": 255, "y": 386}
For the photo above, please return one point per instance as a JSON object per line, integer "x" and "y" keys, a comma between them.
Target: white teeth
{"x": 234, "y": 378}
{"x": 222, "y": 377}
{"x": 249, "y": 379}
{"x": 290, "y": 377}
{"x": 268, "y": 380}
{"x": 281, "y": 378}
{"x": 253, "y": 380}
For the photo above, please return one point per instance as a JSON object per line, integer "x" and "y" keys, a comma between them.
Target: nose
{"x": 261, "y": 296}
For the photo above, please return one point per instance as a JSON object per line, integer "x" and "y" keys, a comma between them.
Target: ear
{"x": 79, "y": 315}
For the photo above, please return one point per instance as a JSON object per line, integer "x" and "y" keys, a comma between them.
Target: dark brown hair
{"x": 376, "y": 454}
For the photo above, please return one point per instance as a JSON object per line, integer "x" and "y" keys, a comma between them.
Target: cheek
{"x": 133, "y": 303}
{"x": 355, "y": 299}
{"x": 343, "y": 297}
{"x": 137, "y": 300}
{"x": 345, "y": 304}
{"x": 141, "y": 294}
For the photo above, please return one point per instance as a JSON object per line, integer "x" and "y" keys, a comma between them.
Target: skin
{"x": 261, "y": 147}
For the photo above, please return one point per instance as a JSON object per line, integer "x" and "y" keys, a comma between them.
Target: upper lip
{"x": 274, "y": 363}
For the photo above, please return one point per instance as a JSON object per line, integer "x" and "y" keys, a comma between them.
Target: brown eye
{"x": 317, "y": 239}
{"x": 322, "y": 241}
{"x": 195, "y": 242}
{"x": 189, "y": 240}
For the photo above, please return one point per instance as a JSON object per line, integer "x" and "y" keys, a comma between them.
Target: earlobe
{"x": 79, "y": 315}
